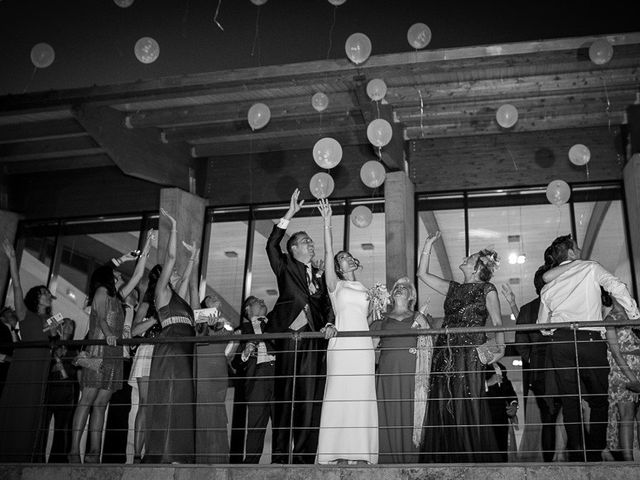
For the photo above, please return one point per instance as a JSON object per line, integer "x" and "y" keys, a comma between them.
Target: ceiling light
{"x": 71, "y": 295}
{"x": 231, "y": 254}
{"x": 366, "y": 246}
{"x": 516, "y": 362}
{"x": 271, "y": 292}
{"x": 513, "y": 258}
{"x": 521, "y": 258}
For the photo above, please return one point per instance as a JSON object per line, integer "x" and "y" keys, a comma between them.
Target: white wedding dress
{"x": 349, "y": 421}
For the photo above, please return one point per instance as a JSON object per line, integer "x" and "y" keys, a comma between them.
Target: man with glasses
{"x": 572, "y": 294}
{"x": 302, "y": 306}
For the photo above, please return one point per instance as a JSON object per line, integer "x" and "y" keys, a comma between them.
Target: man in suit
{"x": 8, "y": 335}
{"x": 302, "y": 306}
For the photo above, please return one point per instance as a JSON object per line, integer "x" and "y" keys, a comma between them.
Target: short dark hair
{"x": 248, "y": 301}
{"x": 32, "y": 298}
{"x": 560, "y": 248}
{"x": 293, "y": 240}
{"x": 336, "y": 264}
{"x": 605, "y": 298}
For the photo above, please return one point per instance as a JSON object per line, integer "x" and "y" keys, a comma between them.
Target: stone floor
{"x": 604, "y": 471}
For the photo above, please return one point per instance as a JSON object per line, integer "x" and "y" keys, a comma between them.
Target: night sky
{"x": 94, "y": 39}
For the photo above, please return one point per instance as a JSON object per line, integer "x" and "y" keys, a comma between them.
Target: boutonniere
{"x": 318, "y": 274}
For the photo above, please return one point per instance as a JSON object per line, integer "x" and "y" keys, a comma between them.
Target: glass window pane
{"x": 520, "y": 235}
{"x": 446, "y": 255}
{"x": 263, "y": 280}
{"x": 368, "y": 245}
{"x": 604, "y": 222}
{"x": 225, "y": 265}
{"x": 80, "y": 256}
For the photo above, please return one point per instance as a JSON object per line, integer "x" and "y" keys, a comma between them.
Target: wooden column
{"x": 400, "y": 226}
{"x": 188, "y": 210}
{"x": 8, "y": 227}
{"x": 631, "y": 177}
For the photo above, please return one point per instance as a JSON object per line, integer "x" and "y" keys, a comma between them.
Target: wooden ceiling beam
{"x": 51, "y": 147}
{"x": 138, "y": 153}
{"x": 57, "y": 164}
{"x": 44, "y": 130}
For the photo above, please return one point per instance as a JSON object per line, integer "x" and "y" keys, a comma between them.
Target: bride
{"x": 349, "y": 420}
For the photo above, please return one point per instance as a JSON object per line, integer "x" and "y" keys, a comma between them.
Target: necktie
{"x": 312, "y": 287}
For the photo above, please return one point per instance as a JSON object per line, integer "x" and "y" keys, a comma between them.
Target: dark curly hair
{"x": 102, "y": 277}
{"x": 293, "y": 240}
{"x": 486, "y": 264}
{"x": 560, "y": 249}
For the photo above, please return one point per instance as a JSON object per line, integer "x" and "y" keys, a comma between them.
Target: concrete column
{"x": 400, "y": 226}
{"x": 188, "y": 210}
{"x": 631, "y": 177}
{"x": 8, "y": 227}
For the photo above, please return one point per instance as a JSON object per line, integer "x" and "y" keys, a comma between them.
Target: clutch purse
{"x": 487, "y": 351}
{"x": 84, "y": 360}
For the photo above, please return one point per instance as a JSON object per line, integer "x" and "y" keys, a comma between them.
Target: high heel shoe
{"x": 91, "y": 458}
{"x": 73, "y": 458}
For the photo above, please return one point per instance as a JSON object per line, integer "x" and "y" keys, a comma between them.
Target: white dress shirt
{"x": 574, "y": 296}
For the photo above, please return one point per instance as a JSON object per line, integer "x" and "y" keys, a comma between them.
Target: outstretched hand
{"x": 169, "y": 217}
{"x": 8, "y": 249}
{"x": 431, "y": 239}
{"x": 191, "y": 248}
{"x": 325, "y": 210}
{"x": 294, "y": 204}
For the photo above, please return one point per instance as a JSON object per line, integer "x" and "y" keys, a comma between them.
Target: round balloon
{"x": 337, "y": 3}
{"x": 372, "y": 174}
{"x": 419, "y": 35}
{"x": 258, "y": 2}
{"x": 601, "y": 51}
{"x": 319, "y": 101}
{"x": 123, "y": 3}
{"x": 258, "y": 116}
{"x": 376, "y": 89}
{"x": 327, "y": 152}
{"x": 42, "y": 55}
{"x": 579, "y": 154}
{"x": 321, "y": 185}
{"x": 507, "y": 115}
{"x": 147, "y": 50}
{"x": 558, "y": 192}
{"x": 379, "y": 132}
{"x": 358, "y": 47}
{"x": 361, "y": 216}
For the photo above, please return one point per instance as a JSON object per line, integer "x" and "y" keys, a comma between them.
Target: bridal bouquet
{"x": 378, "y": 297}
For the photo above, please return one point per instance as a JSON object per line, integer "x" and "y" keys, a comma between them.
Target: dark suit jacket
{"x": 293, "y": 290}
{"x": 531, "y": 346}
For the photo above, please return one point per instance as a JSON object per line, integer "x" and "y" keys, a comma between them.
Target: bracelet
{"x": 328, "y": 227}
{"x": 426, "y": 253}
{"x": 116, "y": 262}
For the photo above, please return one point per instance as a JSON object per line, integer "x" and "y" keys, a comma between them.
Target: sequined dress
{"x": 457, "y": 424}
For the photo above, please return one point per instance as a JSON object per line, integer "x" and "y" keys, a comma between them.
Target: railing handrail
{"x": 224, "y": 338}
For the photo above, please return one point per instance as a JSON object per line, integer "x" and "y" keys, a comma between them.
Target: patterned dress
{"x": 628, "y": 341}
{"x": 457, "y": 424}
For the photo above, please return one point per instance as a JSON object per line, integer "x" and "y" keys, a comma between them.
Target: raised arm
{"x": 510, "y": 297}
{"x": 618, "y": 291}
{"x": 555, "y": 272}
{"x": 140, "y": 321}
{"x": 274, "y": 252}
{"x": 139, "y": 270}
{"x": 330, "y": 276}
{"x": 440, "y": 285}
{"x": 163, "y": 292}
{"x": 18, "y": 296}
{"x": 194, "y": 283}
{"x": 183, "y": 283}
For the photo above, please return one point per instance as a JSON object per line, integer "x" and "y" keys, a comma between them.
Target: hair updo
{"x": 487, "y": 264}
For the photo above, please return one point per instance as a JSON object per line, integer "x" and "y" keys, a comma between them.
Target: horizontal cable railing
{"x": 460, "y": 418}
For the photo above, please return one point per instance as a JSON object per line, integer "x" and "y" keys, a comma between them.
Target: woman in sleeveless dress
{"x": 106, "y": 322}
{"x": 349, "y": 419}
{"x": 403, "y": 377}
{"x": 170, "y": 426}
{"x": 457, "y": 424}
{"x": 22, "y": 402}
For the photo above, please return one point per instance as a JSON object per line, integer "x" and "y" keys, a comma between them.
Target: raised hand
{"x": 294, "y": 204}
{"x": 191, "y": 248}
{"x": 169, "y": 217}
{"x": 8, "y": 249}
{"x": 325, "y": 210}
{"x": 318, "y": 263}
{"x": 431, "y": 239}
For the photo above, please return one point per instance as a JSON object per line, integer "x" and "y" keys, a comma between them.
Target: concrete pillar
{"x": 400, "y": 226}
{"x": 188, "y": 210}
{"x": 8, "y": 227}
{"x": 631, "y": 177}
{"x": 633, "y": 117}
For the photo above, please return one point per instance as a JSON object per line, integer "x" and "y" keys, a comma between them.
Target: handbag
{"x": 487, "y": 351}
{"x": 84, "y": 360}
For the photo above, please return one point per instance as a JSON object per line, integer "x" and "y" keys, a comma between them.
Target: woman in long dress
{"x": 106, "y": 322}
{"x": 170, "y": 426}
{"x": 349, "y": 419}
{"x": 403, "y": 376}
{"x": 457, "y": 424}
{"x": 22, "y": 402}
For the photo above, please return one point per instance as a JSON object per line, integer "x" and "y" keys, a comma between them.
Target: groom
{"x": 302, "y": 306}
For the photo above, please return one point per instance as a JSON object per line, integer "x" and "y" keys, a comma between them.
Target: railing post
{"x": 296, "y": 339}
{"x": 584, "y": 438}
